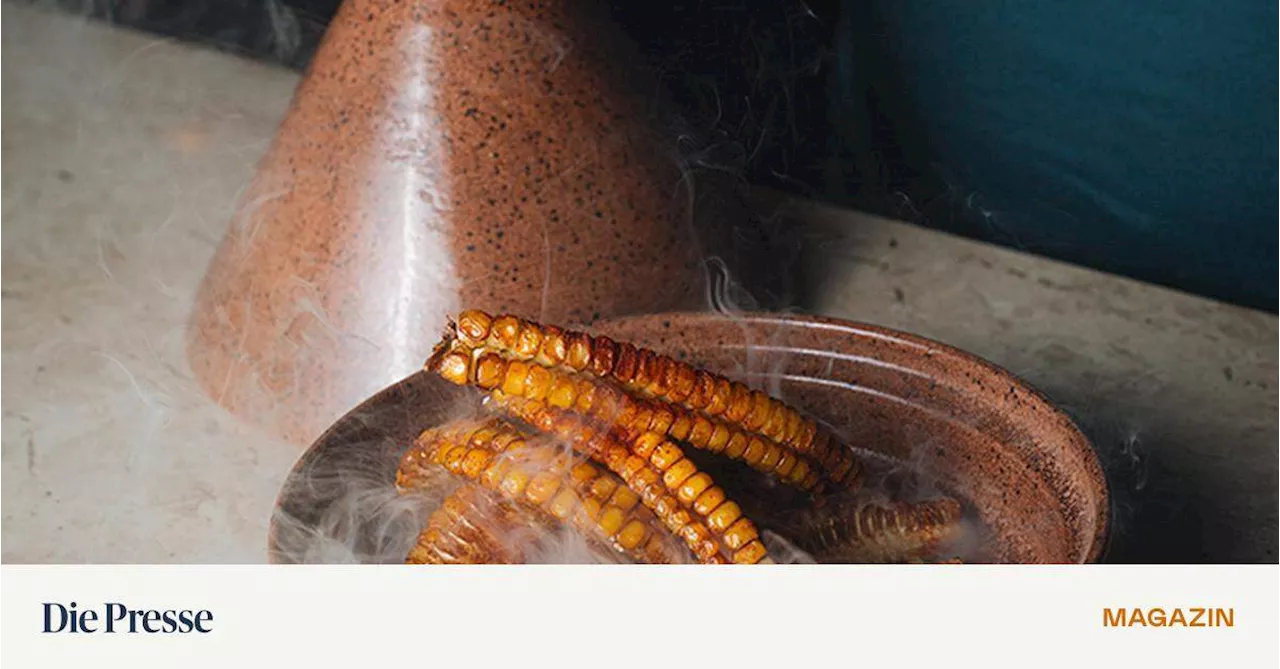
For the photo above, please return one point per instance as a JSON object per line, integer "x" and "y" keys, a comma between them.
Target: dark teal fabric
{"x": 1136, "y": 137}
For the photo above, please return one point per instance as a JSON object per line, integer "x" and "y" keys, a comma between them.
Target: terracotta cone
{"x": 437, "y": 154}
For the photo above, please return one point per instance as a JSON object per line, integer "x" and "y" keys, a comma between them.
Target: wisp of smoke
{"x": 351, "y": 511}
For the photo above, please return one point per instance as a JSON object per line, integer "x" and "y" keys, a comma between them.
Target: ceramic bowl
{"x": 1026, "y": 470}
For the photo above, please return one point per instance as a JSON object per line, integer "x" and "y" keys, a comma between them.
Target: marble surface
{"x": 124, "y": 154}
{"x": 1178, "y": 393}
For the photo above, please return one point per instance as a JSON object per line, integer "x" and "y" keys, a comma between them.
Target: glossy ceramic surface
{"x": 441, "y": 153}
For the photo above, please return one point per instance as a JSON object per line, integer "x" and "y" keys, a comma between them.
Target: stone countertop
{"x": 1177, "y": 393}
{"x": 124, "y": 155}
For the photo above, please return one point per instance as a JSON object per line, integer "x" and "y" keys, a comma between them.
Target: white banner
{"x": 608, "y": 616}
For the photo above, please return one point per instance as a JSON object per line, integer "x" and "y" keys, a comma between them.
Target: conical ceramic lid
{"x": 438, "y": 155}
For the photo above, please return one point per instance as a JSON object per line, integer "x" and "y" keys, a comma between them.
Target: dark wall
{"x": 1132, "y": 138}
{"x": 1137, "y": 138}
{"x": 751, "y": 73}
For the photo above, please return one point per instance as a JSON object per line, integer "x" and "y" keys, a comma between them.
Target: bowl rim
{"x": 1086, "y": 447}
{"x": 1089, "y": 456}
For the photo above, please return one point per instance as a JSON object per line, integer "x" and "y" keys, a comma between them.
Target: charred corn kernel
{"x": 615, "y": 458}
{"x": 752, "y": 553}
{"x": 759, "y": 412}
{"x": 453, "y": 459}
{"x": 648, "y": 445}
{"x": 661, "y": 420}
{"x": 701, "y": 432}
{"x": 682, "y": 519}
{"x": 709, "y": 500}
{"x": 739, "y": 403}
{"x": 720, "y": 397}
{"x": 563, "y": 504}
{"x": 755, "y": 451}
{"x": 624, "y": 364}
{"x": 772, "y": 454}
{"x": 650, "y": 368}
{"x": 578, "y": 351}
{"x": 739, "y": 534}
{"x": 455, "y": 368}
{"x": 610, "y": 521}
{"x": 513, "y": 381}
{"x": 681, "y": 427}
{"x": 668, "y": 379}
{"x": 583, "y": 472}
{"x": 644, "y": 369}
{"x": 473, "y": 327}
{"x": 624, "y": 498}
{"x": 421, "y": 552}
{"x": 645, "y": 476}
{"x": 537, "y": 382}
{"x": 693, "y": 487}
{"x": 542, "y": 486}
{"x": 737, "y": 446}
{"x": 650, "y": 493}
{"x": 553, "y": 348}
{"x": 635, "y": 415}
{"x": 703, "y": 388}
{"x": 474, "y": 462}
{"x": 479, "y": 436}
{"x": 786, "y": 462}
{"x": 694, "y": 534}
{"x": 493, "y": 476}
{"x": 507, "y": 440}
{"x": 657, "y": 370}
{"x": 514, "y": 483}
{"x": 709, "y": 552}
{"x": 586, "y": 397}
{"x": 562, "y": 395}
{"x": 505, "y": 331}
{"x": 682, "y": 385}
{"x": 602, "y": 487}
{"x": 800, "y": 472}
{"x": 809, "y": 432}
{"x": 603, "y": 353}
{"x": 439, "y": 450}
{"x": 466, "y": 529}
{"x": 723, "y": 516}
{"x": 775, "y": 424}
{"x": 669, "y": 512}
{"x": 632, "y": 534}
{"x": 665, "y": 455}
{"x": 793, "y": 430}
{"x": 633, "y": 467}
{"x": 678, "y": 473}
{"x": 528, "y": 340}
{"x": 489, "y": 371}
{"x": 719, "y": 438}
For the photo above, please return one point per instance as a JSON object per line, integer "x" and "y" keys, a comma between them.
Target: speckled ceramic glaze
{"x": 440, "y": 153}
{"x": 1027, "y": 471}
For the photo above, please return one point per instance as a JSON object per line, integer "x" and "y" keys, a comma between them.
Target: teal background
{"x": 1133, "y": 137}
{"x": 1138, "y": 138}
